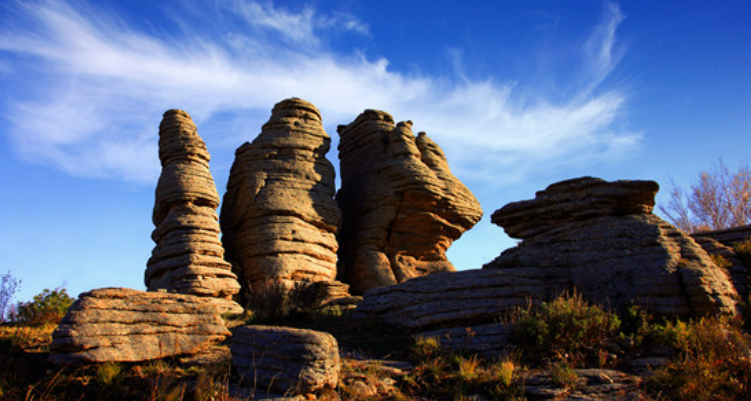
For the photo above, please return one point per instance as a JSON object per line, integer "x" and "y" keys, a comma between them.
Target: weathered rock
{"x": 727, "y": 236}
{"x": 124, "y": 325}
{"x": 279, "y": 216}
{"x": 591, "y": 385}
{"x": 336, "y": 293}
{"x": 613, "y": 253}
{"x": 287, "y": 360}
{"x": 486, "y": 340}
{"x": 575, "y": 200}
{"x": 188, "y": 257}
{"x": 402, "y": 206}
{"x": 736, "y": 269}
{"x": 454, "y": 299}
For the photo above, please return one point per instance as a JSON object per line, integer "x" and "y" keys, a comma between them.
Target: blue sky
{"x": 519, "y": 94}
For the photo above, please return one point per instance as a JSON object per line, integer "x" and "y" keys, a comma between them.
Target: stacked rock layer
{"x": 124, "y": 325}
{"x": 279, "y": 216}
{"x": 188, "y": 257}
{"x": 602, "y": 239}
{"x": 402, "y": 206}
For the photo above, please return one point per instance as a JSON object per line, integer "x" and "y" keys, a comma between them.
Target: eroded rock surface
{"x": 452, "y": 299}
{"x": 601, "y": 239}
{"x": 736, "y": 269}
{"x": 279, "y": 216}
{"x": 188, "y": 257}
{"x": 728, "y": 236}
{"x": 402, "y": 206}
{"x": 125, "y": 325}
{"x": 287, "y": 360}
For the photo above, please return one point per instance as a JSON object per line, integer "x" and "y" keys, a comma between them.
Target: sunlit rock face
{"x": 601, "y": 239}
{"x": 279, "y": 217}
{"x": 125, "y": 325}
{"x": 188, "y": 257}
{"x": 402, "y": 207}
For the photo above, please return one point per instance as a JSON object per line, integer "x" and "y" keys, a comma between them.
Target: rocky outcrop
{"x": 279, "y": 216}
{"x": 453, "y": 299}
{"x": 286, "y": 360}
{"x": 575, "y": 200}
{"x": 188, "y": 257}
{"x": 489, "y": 340}
{"x": 124, "y": 325}
{"x": 402, "y": 206}
{"x": 591, "y": 385}
{"x": 601, "y": 239}
{"x": 728, "y": 236}
{"x": 726, "y": 258}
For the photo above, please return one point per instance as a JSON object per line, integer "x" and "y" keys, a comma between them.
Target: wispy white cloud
{"x": 97, "y": 87}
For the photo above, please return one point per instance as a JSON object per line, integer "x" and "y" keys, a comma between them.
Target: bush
{"x": 47, "y": 307}
{"x": 743, "y": 251}
{"x": 567, "y": 328}
{"x": 713, "y": 363}
{"x": 276, "y": 302}
{"x": 440, "y": 373}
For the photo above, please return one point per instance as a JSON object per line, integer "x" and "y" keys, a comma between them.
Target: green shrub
{"x": 108, "y": 373}
{"x": 563, "y": 375}
{"x": 46, "y": 307}
{"x": 568, "y": 328}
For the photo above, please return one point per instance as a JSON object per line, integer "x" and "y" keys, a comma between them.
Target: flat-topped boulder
{"x": 603, "y": 241}
{"x": 125, "y": 325}
{"x": 188, "y": 257}
{"x": 279, "y": 217}
{"x": 287, "y": 360}
{"x": 574, "y": 200}
{"x": 402, "y": 206}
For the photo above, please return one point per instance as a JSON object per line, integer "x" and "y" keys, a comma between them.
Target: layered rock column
{"x": 279, "y": 216}
{"x": 402, "y": 206}
{"x": 188, "y": 257}
{"x": 602, "y": 239}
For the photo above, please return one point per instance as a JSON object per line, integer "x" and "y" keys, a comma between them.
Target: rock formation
{"x": 601, "y": 239}
{"x": 736, "y": 269}
{"x": 728, "y": 236}
{"x": 595, "y": 237}
{"x": 402, "y": 206}
{"x": 279, "y": 216}
{"x": 287, "y": 360}
{"x": 453, "y": 299}
{"x": 188, "y": 257}
{"x": 124, "y": 325}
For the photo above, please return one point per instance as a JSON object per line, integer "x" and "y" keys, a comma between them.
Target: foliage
{"x": 719, "y": 199}
{"x": 743, "y": 251}
{"x": 46, "y": 307}
{"x": 563, "y": 375}
{"x": 713, "y": 363}
{"x": 8, "y": 288}
{"x": 108, "y": 373}
{"x": 441, "y": 373}
{"x": 274, "y": 301}
{"x": 568, "y": 328}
